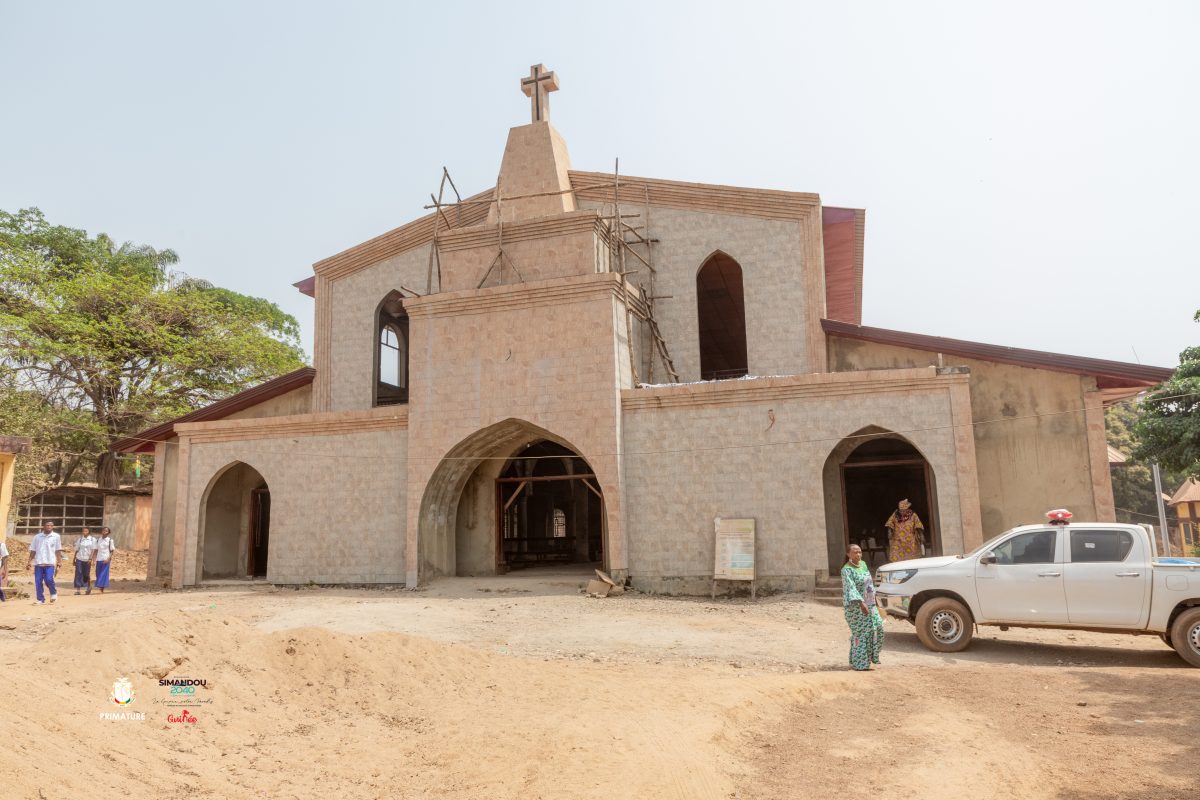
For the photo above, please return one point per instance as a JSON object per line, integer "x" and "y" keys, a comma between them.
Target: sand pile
{"x": 308, "y": 712}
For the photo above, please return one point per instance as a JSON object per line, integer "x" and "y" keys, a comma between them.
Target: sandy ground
{"x": 520, "y": 687}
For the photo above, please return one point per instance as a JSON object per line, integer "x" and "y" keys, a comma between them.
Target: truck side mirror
{"x": 988, "y": 558}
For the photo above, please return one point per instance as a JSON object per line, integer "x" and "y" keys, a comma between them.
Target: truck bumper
{"x": 895, "y": 605}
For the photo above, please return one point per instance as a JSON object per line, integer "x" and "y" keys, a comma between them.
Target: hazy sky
{"x": 1031, "y": 171}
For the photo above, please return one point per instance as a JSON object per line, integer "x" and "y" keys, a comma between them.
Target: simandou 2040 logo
{"x": 183, "y": 685}
{"x": 182, "y": 691}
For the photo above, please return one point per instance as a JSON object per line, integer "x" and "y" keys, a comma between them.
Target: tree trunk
{"x": 108, "y": 471}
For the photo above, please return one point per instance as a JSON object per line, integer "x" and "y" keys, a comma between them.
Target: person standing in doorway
{"x": 858, "y": 602}
{"x": 905, "y": 533}
{"x": 105, "y": 547}
{"x": 85, "y": 554}
{"x": 45, "y": 553}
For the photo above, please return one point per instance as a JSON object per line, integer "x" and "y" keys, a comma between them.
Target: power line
{"x": 670, "y": 451}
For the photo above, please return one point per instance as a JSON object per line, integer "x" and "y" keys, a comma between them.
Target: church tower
{"x": 527, "y": 344}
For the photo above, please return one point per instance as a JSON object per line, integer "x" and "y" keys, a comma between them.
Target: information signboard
{"x": 735, "y": 550}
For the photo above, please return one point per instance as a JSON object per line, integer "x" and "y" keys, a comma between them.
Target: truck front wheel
{"x": 944, "y": 625}
{"x": 1185, "y": 635}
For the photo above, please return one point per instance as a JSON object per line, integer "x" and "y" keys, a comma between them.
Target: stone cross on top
{"x": 537, "y": 88}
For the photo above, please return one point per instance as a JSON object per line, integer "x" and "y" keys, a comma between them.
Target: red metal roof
{"x": 307, "y": 286}
{"x": 1108, "y": 374}
{"x": 144, "y": 441}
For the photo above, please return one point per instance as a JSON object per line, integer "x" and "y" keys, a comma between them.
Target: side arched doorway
{"x": 236, "y": 525}
{"x": 865, "y": 477}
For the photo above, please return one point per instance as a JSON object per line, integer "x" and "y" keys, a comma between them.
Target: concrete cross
{"x": 537, "y": 88}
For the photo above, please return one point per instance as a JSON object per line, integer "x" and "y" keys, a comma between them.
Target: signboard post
{"x": 734, "y": 552}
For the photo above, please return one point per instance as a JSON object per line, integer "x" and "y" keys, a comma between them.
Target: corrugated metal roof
{"x": 1189, "y": 492}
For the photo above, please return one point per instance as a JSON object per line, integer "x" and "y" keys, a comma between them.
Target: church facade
{"x": 586, "y": 367}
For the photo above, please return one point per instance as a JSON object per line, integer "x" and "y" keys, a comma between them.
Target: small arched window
{"x": 721, "y": 314}
{"x": 391, "y": 352}
{"x": 559, "y": 522}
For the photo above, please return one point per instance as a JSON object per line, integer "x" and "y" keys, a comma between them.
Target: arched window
{"x": 559, "y": 522}
{"x": 391, "y": 352}
{"x": 721, "y": 313}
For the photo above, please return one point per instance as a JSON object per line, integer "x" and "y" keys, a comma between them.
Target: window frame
{"x": 1124, "y": 536}
{"x": 1054, "y": 550}
{"x": 383, "y": 393}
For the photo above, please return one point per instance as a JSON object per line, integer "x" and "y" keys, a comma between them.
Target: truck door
{"x": 1107, "y": 578}
{"x": 1026, "y": 582}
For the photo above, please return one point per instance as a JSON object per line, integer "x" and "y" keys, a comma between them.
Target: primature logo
{"x": 122, "y": 693}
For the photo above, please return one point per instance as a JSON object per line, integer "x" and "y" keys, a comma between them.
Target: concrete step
{"x": 829, "y": 601}
{"x": 828, "y": 591}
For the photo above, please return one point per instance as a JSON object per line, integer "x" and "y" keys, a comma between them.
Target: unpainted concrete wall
{"x": 475, "y": 525}
{"x": 297, "y": 401}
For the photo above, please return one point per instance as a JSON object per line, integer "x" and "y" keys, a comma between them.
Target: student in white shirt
{"x": 105, "y": 547}
{"x": 85, "y": 554}
{"x": 45, "y": 553}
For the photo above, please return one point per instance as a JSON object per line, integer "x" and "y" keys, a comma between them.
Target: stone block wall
{"x": 771, "y": 256}
{"x": 337, "y": 499}
{"x": 757, "y": 448}
{"x": 352, "y": 342}
{"x": 497, "y": 367}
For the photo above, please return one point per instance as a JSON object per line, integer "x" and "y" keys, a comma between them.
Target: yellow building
{"x": 10, "y": 446}
{"x": 1186, "y": 502}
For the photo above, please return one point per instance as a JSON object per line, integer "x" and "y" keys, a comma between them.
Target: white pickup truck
{"x": 1086, "y": 576}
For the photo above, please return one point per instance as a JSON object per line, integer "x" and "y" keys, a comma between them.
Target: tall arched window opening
{"x": 391, "y": 352}
{"x": 721, "y": 314}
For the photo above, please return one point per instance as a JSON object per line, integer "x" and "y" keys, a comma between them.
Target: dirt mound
{"x": 294, "y": 713}
{"x": 453, "y": 692}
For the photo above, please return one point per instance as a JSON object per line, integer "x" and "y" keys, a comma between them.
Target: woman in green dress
{"x": 858, "y": 601}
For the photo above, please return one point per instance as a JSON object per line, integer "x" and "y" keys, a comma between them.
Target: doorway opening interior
{"x": 550, "y": 510}
{"x": 876, "y": 476}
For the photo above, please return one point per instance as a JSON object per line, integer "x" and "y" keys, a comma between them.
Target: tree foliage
{"x": 1168, "y": 426}
{"x": 1132, "y": 481}
{"x": 108, "y": 340}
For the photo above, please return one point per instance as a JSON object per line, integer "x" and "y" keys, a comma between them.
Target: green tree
{"x": 1168, "y": 426}
{"x": 1132, "y": 481}
{"x": 110, "y": 340}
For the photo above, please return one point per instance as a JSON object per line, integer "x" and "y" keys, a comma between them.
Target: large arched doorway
{"x": 490, "y": 505}
{"x": 865, "y": 477}
{"x": 551, "y": 509}
{"x": 236, "y": 525}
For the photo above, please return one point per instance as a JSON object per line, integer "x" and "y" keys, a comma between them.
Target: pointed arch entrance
{"x": 865, "y": 477}
{"x": 512, "y": 495}
{"x": 235, "y": 525}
